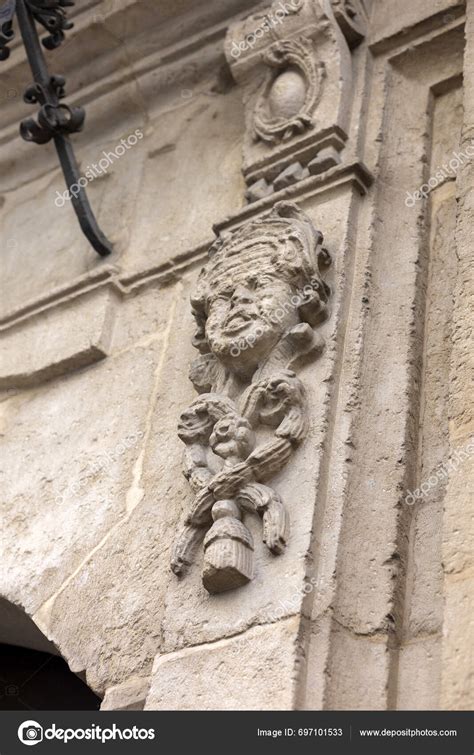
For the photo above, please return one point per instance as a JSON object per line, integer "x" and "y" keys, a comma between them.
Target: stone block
{"x": 88, "y": 433}
{"x": 419, "y": 674}
{"x": 358, "y": 668}
{"x": 130, "y": 695}
{"x": 325, "y": 159}
{"x": 259, "y": 190}
{"x": 58, "y": 341}
{"x": 263, "y": 662}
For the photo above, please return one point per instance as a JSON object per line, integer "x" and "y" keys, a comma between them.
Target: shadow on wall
{"x": 33, "y": 676}
{"x": 32, "y": 680}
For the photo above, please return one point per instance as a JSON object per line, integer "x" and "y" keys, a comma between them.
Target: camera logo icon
{"x": 30, "y": 733}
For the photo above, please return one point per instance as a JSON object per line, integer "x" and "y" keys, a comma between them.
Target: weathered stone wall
{"x": 370, "y": 605}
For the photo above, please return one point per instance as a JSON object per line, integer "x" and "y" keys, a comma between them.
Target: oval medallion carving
{"x": 290, "y": 93}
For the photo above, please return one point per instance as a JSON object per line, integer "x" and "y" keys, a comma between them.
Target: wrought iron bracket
{"x": 55, "y": 120}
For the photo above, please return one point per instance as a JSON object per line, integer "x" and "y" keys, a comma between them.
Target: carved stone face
{"x": 195, "y": 422}
{"x": 232, "y": 437}
{"x": 247, "y": 319}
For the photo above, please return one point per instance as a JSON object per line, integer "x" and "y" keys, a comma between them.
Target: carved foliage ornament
{"x": 256, "y": 305}
{"x": 291, "y": 92}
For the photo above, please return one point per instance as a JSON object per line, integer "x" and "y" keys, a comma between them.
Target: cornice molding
{"x": 438, "y": 24}
{"x": 354, "y": 175}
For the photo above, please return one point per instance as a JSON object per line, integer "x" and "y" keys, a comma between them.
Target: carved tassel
{"x": 228, "y": 550}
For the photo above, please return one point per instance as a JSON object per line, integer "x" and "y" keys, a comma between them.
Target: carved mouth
{"x": 237, "y": 320}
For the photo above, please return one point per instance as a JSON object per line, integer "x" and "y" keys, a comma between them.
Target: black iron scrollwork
{"x": 7, "y": 12}
{"x": 51, "y": 15}
{"x": 55, "y": 120}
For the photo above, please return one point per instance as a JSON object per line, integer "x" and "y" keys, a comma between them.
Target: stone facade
{"x": 297, "y": 206}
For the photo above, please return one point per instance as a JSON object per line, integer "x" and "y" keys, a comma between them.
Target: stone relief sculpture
{"x": 291, "y": 92}
{"x": 257, "y": 303}
{"x": 296, "y": 79}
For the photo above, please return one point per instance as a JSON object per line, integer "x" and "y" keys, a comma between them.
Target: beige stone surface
{"x": 311, "y": 692}
{"x": 194, "y": 153}
{"x": 58, "y": 342}
{"x": 419, "y": 675}
{"x": 114, "y": 630}
{"x": 457, "y": 687}
{"x": 29, "y": 214}
{"x": 78, "y": 471}
{"x": 384, "y": 24}
{"x": 263, "y": 662}
{"x": 458, "y": 525}
{"x": 128, "y": 696}
{"x": 361, "y": 683}
{"x": 424, "y": 602}
{"x": 457, "y": 679}
{"x": 370, "y": 607}
{"x": 141, "y": 317}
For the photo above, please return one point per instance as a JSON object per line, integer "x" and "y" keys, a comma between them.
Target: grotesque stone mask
{"x": 256, "y": 304}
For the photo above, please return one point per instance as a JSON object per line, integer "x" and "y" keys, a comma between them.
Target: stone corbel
{"x": 257, "y": 304}
{"x": 294, "y": 64}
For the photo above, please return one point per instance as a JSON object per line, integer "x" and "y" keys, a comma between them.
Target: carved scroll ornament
{"x": 257, "y": 302}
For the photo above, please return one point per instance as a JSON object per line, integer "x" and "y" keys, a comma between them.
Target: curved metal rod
{"x": 60, "y": 121}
